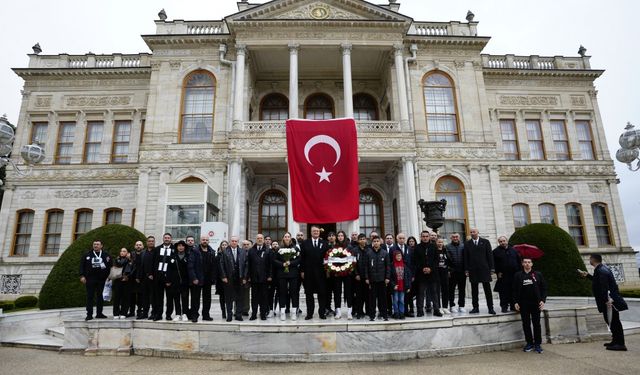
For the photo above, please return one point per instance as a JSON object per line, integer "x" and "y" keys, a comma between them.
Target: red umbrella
{"x": 529, "y": 251}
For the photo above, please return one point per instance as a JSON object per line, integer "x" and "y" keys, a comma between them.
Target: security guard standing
{"x": 94, "y": 270}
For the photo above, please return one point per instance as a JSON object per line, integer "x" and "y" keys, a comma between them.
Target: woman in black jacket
{"x": 288, "y": 276}
{"x": 178, "y": 277}
{"x": 121, "y": 286}
{"x": 219, "y": 284}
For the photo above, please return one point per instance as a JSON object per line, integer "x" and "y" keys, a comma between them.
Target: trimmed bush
{"x": 560, "y": 261}
{"x": 630, "y": 293}
{"x": 26, "y": 301}
{"x": 7, "y": 305}
{"x": 63, "y": 287}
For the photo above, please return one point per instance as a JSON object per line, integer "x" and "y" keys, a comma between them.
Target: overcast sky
{"x": 608, "y": 29}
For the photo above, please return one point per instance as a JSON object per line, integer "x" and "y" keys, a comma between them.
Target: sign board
{"x": 217, "y": 232}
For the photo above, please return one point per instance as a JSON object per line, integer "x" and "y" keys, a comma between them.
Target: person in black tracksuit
{"x": 145, "y": 275}
{"x": 457, "y": 279}
{"x": 195, "y": 266}
{"x": 121, "y": 286}
{"x": 442, "y": 267}
{"x": 161, "y": 258}
{"x": 377, "y": 277}
{"x": 95, "y": 266}
{"x": 135, "y": 296}
{"x": 210, "y": 274}
{"x": 178, "y": 283}
{"x": 507, "y": 262}
{"x": 530, "y": 295}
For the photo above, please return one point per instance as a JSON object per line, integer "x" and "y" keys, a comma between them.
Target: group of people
{"x": 387, "y": 276}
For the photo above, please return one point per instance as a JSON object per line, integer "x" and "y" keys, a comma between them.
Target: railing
{"x": 452, "y": 28}
{"x": 179, "y": 27}
{"x": 535, "y": 62}
{"x": 278, "y": 126}
{"x": 117, "y": 60}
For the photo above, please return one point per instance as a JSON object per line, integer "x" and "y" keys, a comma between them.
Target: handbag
{"x": 115, "y": 273}
{"x": 106, "y": 292}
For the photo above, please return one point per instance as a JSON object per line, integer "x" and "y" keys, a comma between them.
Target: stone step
{"x": 55, "y": 332}
{"x": 43, "y": 341}
{"x": 631, "y": 328}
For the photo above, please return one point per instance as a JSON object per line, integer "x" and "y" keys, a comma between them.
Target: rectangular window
{"x": 53, "y": 232}
{"x": 441, "y": 114}
{"x": 576, "y": 226}
{"x": 24, "y": 228}
{"x": 39, "y": 133}
{"x": 547, "y": 213}
{"x": 121, "y": 139}
{"x": 520, "y": 215}
{"x": 93, "y": 141}
{"x": 82, "y": 223}
{"x": 585, "y": 139}
{"x": 113, "y": 216}
{"x": 65, "y": 142}
{"x": 560, "y": 140}
{"x": 509, "y": 139}
{"x": 536, "y": 144}
{"x": 185, "y": 220}
{"x": 601, "y": 221}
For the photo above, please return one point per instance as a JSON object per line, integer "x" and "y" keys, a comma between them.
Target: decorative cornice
{"x": 458, "y": 152}
{"x": 543, "y": 189}
{"x": 65, "y": 72}
{"x": 182, "y": 155}
{"x": 557, "y": 170}
{"x": 93, "y": 174}
{"x": 578, "y": 73}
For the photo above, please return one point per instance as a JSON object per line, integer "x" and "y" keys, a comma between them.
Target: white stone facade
{"x": 298, "y": 48}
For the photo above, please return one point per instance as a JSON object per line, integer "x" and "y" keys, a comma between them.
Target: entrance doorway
{"x": 324, "y": 229}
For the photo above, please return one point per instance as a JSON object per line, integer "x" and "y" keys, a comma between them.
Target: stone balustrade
{"x": 278, "y": 126}
{"x": 181, "y": 27}
{"x": 535, "y": 62}
{"x": 452, "y": 28}
{"x": 90, "y": 60}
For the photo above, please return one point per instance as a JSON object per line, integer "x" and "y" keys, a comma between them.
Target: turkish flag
{"x": 323, "y": 165}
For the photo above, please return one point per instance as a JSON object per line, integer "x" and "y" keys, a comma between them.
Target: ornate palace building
{"x": 195, "y": 131}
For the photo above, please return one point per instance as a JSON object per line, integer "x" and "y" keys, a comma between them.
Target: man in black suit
{"x": 608, "y": 299}
{"x": 233, "y": 272}
{"x": 422, "y": 265}
{"x": 407, "y": 256}
{"x": 145, "y": 274}
{"x": 479, "y": 266}
{"x": 162, "y": 255}
{"x": 260, "y": 275}
{"x": 313, "y": 273}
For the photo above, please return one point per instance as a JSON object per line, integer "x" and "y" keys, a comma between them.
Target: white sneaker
{"x": 294, "y": 316}
{"x": 116, "y": 317}
{"x": 349, "y": 315}
{"x": 176, "y": 319}
{"x": 462, "y": 310}
{"x": 185, "y": 318}
{"x": 283, "y": 314}
{"x": 441, "y": 310}
{"x": 338, "y": 314}
{"x": 445, "y": 311}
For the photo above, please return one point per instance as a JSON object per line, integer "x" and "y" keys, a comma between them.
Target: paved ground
{"x": 565, "y": 359}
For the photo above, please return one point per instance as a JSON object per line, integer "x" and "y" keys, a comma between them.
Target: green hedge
{"x": 26, "y": 301}
{"x": 63, "y": 287}
{"x": 560, "y": 261}
{"x": 7, "y": 305}
{"x": 630, "y": 293}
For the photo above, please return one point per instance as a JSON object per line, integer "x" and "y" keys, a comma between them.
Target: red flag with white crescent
{"x": 323, "y": 165}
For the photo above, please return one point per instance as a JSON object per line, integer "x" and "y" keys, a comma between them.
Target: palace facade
{"x": 195, "y": 131}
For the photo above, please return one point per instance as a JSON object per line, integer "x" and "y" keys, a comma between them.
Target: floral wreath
{"x": 339, "y": 262}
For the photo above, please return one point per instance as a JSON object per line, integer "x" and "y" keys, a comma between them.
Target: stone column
{"x": 234, "y": 196}
{"x": 292, "y": 226}
{"x": 402, "y": 86}
{"x": 238, "y": 101}
{"x": 411, "y": 200}
{"x": 293, "y": 84}
{"x": 346, "y": 78}
{"x": 496, "y": 196}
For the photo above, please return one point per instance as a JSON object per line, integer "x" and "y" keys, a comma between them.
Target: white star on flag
{"x": 324, "y": 175}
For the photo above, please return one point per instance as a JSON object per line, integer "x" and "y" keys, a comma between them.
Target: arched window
{"x": 318, "y": 107}
{"x": 22, "y": 235}
{"x": 371, "y": 218}
{"x": 274, "y": 107}
{"x": 440, "y": 102}
{"x": 82, "y": 222}
{"x": 197, "y": 108}
{"x": 364, "y": 107}
{"x": 575, "y": 220}
{"x": 548, "y": 213}
{"x": 452, "y": 189}
{"x": 273, "y": 214}
{"x": 521, "y": 215}
{"x": 113, "y": 216}
{"x": 602, "y": 223}
{"x": 52, "y": 231}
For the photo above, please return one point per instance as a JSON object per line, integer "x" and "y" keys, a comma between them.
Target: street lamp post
{"x": 630, "y": 143}
{"x": 31, "y": 154}
{"x": 433, "y": 212}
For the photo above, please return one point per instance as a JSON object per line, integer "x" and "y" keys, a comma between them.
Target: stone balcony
{"x": 89, "y": 61}
{"x": 452, "y": 28}
{"x": 535, "y": 62}
{"x": 278, "y": 127}
{"x": 181, "y": 27}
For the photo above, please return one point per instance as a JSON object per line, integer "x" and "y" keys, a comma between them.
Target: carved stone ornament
{"x": 558, "y": 170}
{"x": 596, "y": 188}
{"x": 543, "y": 189}
{"x": 10, "y": 284}
{"x": 458, "y": 153}
{"x": 86, "y": 193}
{"x": 528, "y": 100}
{"x": 181, "y": 155}
{"x": 97, "y": 101}
{"x": 43, "y": 174}
{"x": 319, "y": 11}
{"x": 578, "y": 100}
{"x": 42, "y": 101}
{"x": 28, "y": 195}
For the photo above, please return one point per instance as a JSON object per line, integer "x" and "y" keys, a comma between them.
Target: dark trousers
{"x": 94, "y": 293}
{"x": 443, "y": 292}
{"x": 177, "y": 299}
{"x": 615, "y": 326}
{"x": 408, "y": 297}
{"x": 273, "y": 294}
{"x": 158, "y": 297}
{"x": 288, "y": 291}
{"x": 377, "y": 296}
{"x": 245, "y": 300}
{"x": 506, "y": 292}
{"x": 146, "y": 288}
{"x": 361, "y": 296}
{"x": 135, "y": 298}
{"x": 220, "y": 292}
{"x": 172, "y": 292}
{"x": 429, "y": 291}
{"x": 322, "y": 300}
{"x": 458, "y": 279}
{"x": 530, "y": 314}
{"x": 487, "y": 294}
{"x": 120, "y": 297}
{"x": 233, "y": 293}
{"x": 195, "y": 291}
{"x": 259, "y": 297}
{"x": 338, "y": 283}
{"x": 329, "y": 287}
{"x": 206, "y": 300}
